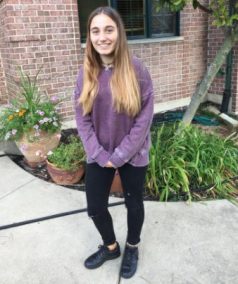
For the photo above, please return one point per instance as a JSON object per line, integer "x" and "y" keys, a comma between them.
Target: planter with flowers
{"x": 65, "y": 164}
{"x": 32, "y": 121}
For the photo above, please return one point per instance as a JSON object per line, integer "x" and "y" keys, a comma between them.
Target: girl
{"x": 114, "y": 110}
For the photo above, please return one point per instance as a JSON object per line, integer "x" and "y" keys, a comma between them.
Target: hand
{"x": 109, "y": 165}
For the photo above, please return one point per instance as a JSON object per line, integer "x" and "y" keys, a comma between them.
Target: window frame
{"x": 148, "y": 23}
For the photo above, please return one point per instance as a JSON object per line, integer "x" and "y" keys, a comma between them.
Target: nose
{"x": 102, "y": 36}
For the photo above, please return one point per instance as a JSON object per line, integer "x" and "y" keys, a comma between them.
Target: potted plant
{"x": 32, "y": 121}
{"x": 65, "y": 164}
{"x": 116, "y": 186}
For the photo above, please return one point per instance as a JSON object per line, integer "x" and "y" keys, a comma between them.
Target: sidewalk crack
{"x": 15, "y": 189}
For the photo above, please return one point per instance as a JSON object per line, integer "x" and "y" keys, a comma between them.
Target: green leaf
{"x": 195, "y": 4}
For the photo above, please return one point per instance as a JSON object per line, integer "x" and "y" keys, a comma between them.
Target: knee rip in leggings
{"x": 132, "y": 196}
{"x": 95, "y": 213}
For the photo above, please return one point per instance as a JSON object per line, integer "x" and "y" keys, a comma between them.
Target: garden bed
{"x": 209, "y": 126}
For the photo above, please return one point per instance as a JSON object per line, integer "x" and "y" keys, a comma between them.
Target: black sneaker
{"x": 129, "y": 262}
{"x": 102, "y": 255}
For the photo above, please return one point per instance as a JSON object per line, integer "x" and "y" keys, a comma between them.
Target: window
{"x": 140, "y": 17}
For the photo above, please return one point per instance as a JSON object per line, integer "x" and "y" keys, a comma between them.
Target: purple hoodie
{"x": 111, "y": 136}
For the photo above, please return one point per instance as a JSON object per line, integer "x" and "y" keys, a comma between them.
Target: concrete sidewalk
{"x": 181, "y": 243}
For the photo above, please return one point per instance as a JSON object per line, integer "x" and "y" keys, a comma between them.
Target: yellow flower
{"x": 10, "y": 117}
{"x": 22, "y": 112}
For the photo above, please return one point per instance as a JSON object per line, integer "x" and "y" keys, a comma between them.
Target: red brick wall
{"x": 3, "y": 94}
{"x": 43, "y": 33}
{"x": 46, "y": 32}
{"x": 215, "y": 40}
{"x": 194, "y": 26}
{"x": 3, "y": 89}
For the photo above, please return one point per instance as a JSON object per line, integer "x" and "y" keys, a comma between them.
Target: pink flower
{"x": 54, "y": 99}
{"x": 14, "y": 131}
{"x": 40, "y": 112}
{"x": 23, "y": 147}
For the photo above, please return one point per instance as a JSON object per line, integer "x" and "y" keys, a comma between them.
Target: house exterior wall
{"x": 45, "y": 33}
{"x": 3, "y": 87}
{"x": 215, "y": 40}
{"x": 42, "y": 34}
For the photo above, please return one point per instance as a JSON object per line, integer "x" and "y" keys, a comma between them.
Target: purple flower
{"x": 23, "y": 147}
{"x": 36, "y": 126}
{"x": 40, "y": 112}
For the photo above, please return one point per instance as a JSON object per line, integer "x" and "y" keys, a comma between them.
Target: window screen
{"x": 132, "y": 13}
{"x": 141, "y": 18}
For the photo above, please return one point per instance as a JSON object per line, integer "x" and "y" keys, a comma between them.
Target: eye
{"x": 109, "y": 30}
{"x": 94, "y": 32}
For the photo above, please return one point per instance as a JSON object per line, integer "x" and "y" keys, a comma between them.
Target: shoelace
{"x": 102, "y": 249}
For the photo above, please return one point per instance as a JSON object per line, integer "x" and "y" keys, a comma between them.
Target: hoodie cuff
{"x": 116, "y": 160}
{"x": 102, "y": 158}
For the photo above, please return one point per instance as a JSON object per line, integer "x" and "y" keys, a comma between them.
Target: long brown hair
{"x": 124, "y": 84}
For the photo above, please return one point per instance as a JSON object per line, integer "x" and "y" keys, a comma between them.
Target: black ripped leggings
{"x": 98, "y": 183}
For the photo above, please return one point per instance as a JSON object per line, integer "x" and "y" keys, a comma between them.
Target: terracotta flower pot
{"x": 116, "y": 184}
{"x": 35, "y": 152}
{"x": 64, "y": 177}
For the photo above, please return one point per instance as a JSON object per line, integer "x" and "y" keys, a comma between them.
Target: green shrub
{"x": 68, "y": 156}
{"x": 190, "y": 164}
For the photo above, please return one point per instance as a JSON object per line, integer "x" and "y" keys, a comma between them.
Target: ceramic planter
{"x": 64, "y": 177}
{"x": 116, "y": 184}
{"x": 35, "y": 152}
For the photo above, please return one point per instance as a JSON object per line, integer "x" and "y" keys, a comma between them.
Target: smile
{"x": 104, "y": 45}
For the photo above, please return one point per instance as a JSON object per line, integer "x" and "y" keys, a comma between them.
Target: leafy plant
{"x": 68, "y": 156}
{"x": 225, "y": 16}
{"x": 191, "y": 164}
{"x": 29, "y": 114}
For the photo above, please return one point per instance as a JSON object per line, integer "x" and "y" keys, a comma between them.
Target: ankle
{"x": 113, "y": 246}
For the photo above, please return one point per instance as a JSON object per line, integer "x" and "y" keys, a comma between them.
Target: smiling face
{"x": 104, "y": 36}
